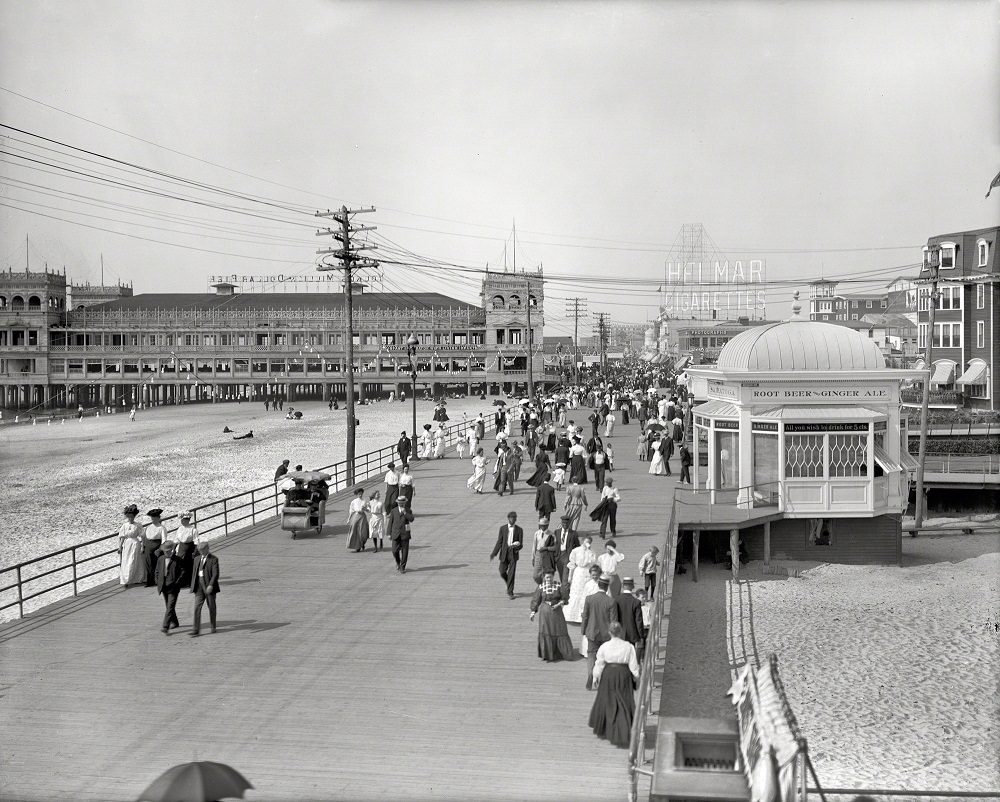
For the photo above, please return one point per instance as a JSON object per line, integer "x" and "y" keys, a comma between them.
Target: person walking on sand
{"x": 131, "y": 415}
{"x": 132, "y": 568}
{"x": 204, "y": 586}
{"x": 510, "y": 540}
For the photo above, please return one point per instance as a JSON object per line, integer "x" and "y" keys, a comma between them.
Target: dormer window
{"x": 982, "y": 253}
{"x": 948, "y": 255}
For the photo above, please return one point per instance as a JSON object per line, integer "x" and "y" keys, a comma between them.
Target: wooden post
{"x": 734, "y": 548}
{"x": 767, "y": 543}
{"x": 696, "y": 538}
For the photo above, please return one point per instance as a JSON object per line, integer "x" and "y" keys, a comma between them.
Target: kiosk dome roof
{"x": 800, "y": 345}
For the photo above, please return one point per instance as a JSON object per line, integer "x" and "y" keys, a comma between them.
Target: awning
{"x": 944, "y": 373}
{"x": 716, "y": 409}
{"x": 660, "y": 359}
{"x": 682, "y": 363}
{"x": 976, "y": 374}
{"x": 920, "y": 364}
{"x": 830, "y": 413}
{"x": 909, "y": 462}
{"x": 888, "y": 463}
{"x": 646, "y": 357}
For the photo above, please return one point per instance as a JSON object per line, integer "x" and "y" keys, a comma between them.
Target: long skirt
{"x": 132, "y": 569}
{"x": 577, "y": 597}
{"x": 613, "y": 710}
{"x": 358, "y": 533}
{"x": 578, "y": 470}
{"x": 553, "y": 636}
{"x": 539, "y": 476}
{"x": 574, "y": 511}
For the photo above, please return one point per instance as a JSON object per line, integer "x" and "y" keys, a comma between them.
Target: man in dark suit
{"x": 545, "y": 499}
{"x": 630, "y": 617}
{"x": 403, "y": 448}
{"x": 204, "y": 585}
{"x": 398, "y": 527}
{"x": 510, "y": 539}
{"x": 168, "y": 583}
{"x": 566, "y": 541}
{"x": 599, "y": 610}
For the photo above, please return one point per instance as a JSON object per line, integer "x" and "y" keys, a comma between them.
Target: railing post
{"x": 225, "y": 517}
{"x": 73, "y": 554}
{"x": 20, "y": 594}
{"x": 253, "y": 505}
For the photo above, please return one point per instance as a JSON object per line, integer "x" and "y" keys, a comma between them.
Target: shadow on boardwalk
{"x": 331, "y": 676}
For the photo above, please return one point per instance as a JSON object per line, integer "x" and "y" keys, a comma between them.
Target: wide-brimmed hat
{"x": 628, "y": 582}
{"x": 131, "y": 509}
{"x": 156, "y": 512}
{"x": 185, "y": 514}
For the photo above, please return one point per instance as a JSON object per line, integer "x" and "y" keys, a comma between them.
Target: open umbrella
{"x": 655, "y": 427}
{"x": 499, "y": 403}
{"x": 201, "y": 781}
{"x": 308, "y": 476}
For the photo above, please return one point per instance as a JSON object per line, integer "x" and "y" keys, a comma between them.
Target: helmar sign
{"x": 835, "y": 393}
{"x": 722, "y": 287}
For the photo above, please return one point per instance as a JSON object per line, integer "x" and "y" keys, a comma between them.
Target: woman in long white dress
{"x": 580, "y": 561}
{"x": 609, "y": 567}
{"x": 357, "y": 521}
{"x": 439, "y": 438}
{"x": 426, "y": 442}
{"x": 656, "y": 463}
{"x": 478, "y": 478}
{"x": 132, "y": 571}
{"x": 376, "y": 521}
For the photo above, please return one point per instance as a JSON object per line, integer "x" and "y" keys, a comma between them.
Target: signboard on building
{"x": 837, "y": 393}
{"x": 332, "y": 281}
{"x": 717, "y": 290}
{"x": 717, "y": 389}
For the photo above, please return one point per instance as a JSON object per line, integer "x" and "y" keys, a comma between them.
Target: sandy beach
{"x": 893, "y": 672}
{"x": 67, "y": 483}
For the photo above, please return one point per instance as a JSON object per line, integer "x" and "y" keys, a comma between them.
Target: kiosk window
{"x": 804, "y": 456}
{"x": 848, "y": 454}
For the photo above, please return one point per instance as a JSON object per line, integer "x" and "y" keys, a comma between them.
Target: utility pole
{"x": 574, "y": 306}
{"x": 932, "y": 263}
{"x": 347, "y": 254}
{"x": 527, "y": 300}
{"x": 602, "y": 338}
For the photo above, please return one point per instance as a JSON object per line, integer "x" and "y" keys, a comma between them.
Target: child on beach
{"x": 640, "y": 446}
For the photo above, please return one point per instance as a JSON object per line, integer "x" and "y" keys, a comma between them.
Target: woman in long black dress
{"x": 547, "y": 602}
{"x": 616, "y": 673}
{"x": 542, "y": 469}
{"x": 578, "y": 465}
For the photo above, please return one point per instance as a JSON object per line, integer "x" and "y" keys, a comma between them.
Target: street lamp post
{"x": 411, "y": 352}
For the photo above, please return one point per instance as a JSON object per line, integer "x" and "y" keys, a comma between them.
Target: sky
{"x": 829, "y": 139}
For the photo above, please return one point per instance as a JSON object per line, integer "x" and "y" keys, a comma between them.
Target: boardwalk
{"x": 331, "y": 676}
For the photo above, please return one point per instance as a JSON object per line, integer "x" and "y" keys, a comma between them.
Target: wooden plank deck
{"x": 332, "y": 676}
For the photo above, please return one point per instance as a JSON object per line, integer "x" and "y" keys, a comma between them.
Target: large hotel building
{"x": 62, "y": 346}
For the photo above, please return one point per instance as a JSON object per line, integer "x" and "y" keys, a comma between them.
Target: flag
{"x": 994, "y": 184}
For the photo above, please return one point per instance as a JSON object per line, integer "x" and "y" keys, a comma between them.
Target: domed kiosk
{"x": 803, "y": 431}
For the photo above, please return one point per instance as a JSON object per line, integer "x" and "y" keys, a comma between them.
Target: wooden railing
{"x": 66, "y": 572}
{"x": 659, "y": 620}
